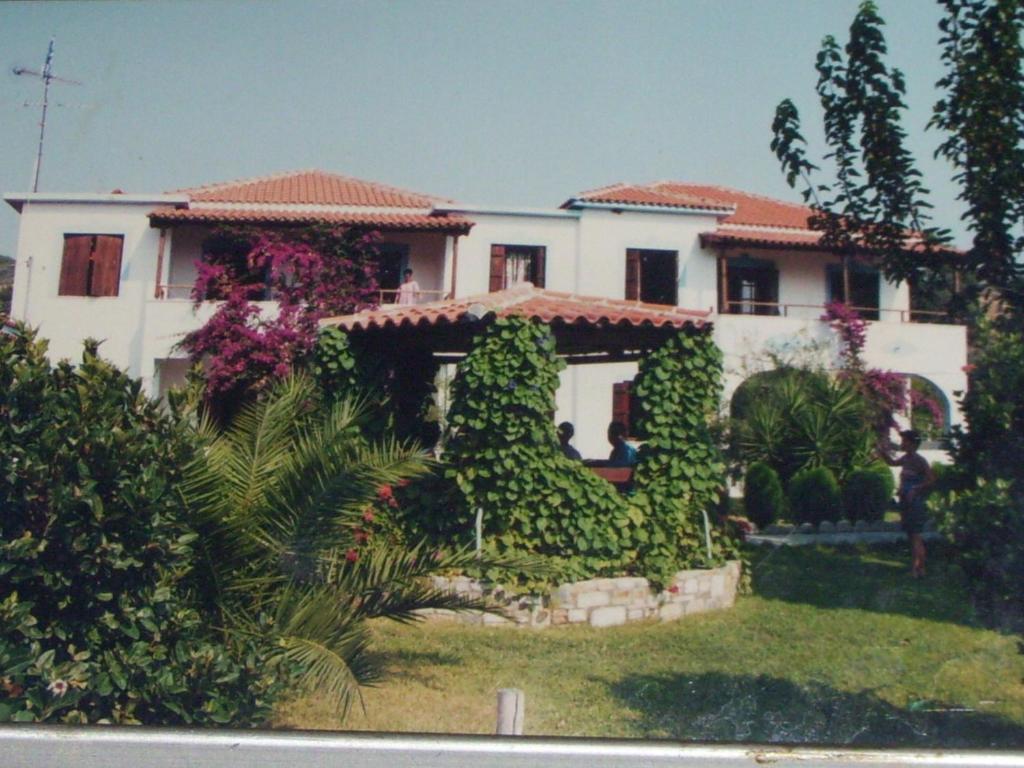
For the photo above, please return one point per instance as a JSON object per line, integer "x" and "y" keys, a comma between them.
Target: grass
{"x": 834, "y": 646}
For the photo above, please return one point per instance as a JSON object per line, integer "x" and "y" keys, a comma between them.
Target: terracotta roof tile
{"x": 269, "y": 215}
{"x": 807, "y": 240}
{"x": 311, "y": 187}
{"x": 751, "y": 209}
{"x": 524, "y": 301}
{"x": 636, "y": 194}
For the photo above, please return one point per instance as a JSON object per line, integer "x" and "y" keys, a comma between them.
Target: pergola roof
{"x": 586, "y": 328}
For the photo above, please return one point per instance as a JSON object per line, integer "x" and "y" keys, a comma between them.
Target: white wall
{"x": 67, "y": 320}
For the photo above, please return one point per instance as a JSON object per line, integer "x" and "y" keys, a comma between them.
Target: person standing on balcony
{"x": 409, "y": 290}
{"x": 916, "y": 479}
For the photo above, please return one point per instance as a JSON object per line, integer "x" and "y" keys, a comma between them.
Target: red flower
{"x": 368, "y": 516}
{"x": 969, "y": 368}
{"x": 361, "y": 536}
{"x": 384, "y": 493}
{"x": 674, "y": 589}
{"x": 352, "y": 555}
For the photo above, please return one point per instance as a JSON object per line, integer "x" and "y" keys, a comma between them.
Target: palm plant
{"x": 279, "y": 501}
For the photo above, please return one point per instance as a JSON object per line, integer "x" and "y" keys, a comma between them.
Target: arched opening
{"x": 929, "y": 410}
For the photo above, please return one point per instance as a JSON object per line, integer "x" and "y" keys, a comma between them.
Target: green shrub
{"x": 794, "y": 419}
{"x": 95, "y": 559}
{"x": 986, "y": 527}
{"x": 814, "y": 496}
{"x": 763, "y": 499}
{"x": 867, "y": 493}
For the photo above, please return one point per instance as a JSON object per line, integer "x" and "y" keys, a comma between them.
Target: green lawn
{"x": 833, "y": 646}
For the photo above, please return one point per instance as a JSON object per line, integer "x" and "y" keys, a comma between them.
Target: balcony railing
{"x": 183, "y": 292}
{"x": 390, "y": 296}
{"x": 779, "y": 309}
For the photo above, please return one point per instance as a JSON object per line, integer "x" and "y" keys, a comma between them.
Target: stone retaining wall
{"x": 606, "y": 602}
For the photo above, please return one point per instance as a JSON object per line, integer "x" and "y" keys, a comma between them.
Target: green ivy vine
{"x": 504, "y": 459}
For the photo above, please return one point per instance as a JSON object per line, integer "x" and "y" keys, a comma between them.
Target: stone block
{"x": 860, "y": 526}
{"x": 696, "y": 606}
{"x": 608, "y": 616}
{"x": 717, "y": 585}
{"x": 691, "y": 586}
{"x": 635, "y": 614}
{"x": 559, "y": 616}
{"x": 671, "y": 612}
{"x": 577, "y": 615}
{"x": 565, "y": 596}
{"x": 492, "y": 620}
{"x": 805, "y": 528}
{"x": 844, "y": 526}
{"x": 593, "y": 599}
{"x": 826, "y": 527}
{"x": 622, "y": 597}
{"x": 878, "y": 526}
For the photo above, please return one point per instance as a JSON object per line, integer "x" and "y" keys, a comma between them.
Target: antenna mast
{"x": 47, "y": 76}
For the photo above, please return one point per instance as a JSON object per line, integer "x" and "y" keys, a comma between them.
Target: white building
{"x": 120, "y": 267}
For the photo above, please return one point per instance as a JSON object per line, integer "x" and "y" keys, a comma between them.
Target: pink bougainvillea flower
{"x": 368, "y": 516}
{"x": 674, "y": 589}
{"x": 352, "y": 555}
{"x": 384, "y": 493}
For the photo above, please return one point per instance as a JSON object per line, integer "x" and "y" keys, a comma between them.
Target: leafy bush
{"x": 989, "y": 469}
{"x": 804, "y": 419}
{"x": 986, "y": 528}
{"x": 814, "y": 496}
{"x": 867, "y": 493}
{"x": 95, "y": 557}
{"x": 763, "y": 499}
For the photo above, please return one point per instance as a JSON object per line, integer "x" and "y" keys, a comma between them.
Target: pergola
{"x": 587, "y": 329}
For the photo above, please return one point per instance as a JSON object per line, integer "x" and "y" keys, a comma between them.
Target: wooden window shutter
{"x": 106, "y": 265}
{"x": 497, "y": 282}
{"x": 74, "y": 267}
{"x": 539, "y": 266}
{"x": 620, "y": 402}
{"x": 632, "y": 274}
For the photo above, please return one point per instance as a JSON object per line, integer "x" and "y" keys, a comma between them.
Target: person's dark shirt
{"x": 571, "y": 452}
{"x": 622, "y": 455}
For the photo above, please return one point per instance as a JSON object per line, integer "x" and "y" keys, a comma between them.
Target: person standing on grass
{"x": 409, "y": 290}
{"x": 916, "y": 479}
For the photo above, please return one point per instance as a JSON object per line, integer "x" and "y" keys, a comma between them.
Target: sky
{"x": 514, "y": 103}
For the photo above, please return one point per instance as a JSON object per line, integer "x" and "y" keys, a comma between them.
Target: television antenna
{"x": 47, "y": 76}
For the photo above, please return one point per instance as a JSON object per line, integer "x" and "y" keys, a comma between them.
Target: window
{"x": 863, "y": 287}
{"x": 625, "y": 406}
{"x": 91, "y": 265}
{"x": 392, "y": 260}
{"x": 514, "y": 264}
{"x": 751, "y": 286}
{"x": 652, "y": 276}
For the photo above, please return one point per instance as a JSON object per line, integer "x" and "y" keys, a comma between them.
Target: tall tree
{"x": 877, "y": 201}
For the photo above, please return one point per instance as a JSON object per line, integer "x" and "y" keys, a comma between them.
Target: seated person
{"x": 623, "y": 454}
{"x": 565, "y": 433}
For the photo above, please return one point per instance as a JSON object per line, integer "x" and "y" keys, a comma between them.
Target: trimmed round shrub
{"x": 867, "y": 493}
{"x": 814, "y": 496}
{"x": 763, "y": 499}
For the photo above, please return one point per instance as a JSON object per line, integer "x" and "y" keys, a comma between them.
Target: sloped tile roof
{"x": 764, "y": 238}
{"x": 311, "y": 187}
{"x": 524, "y": 300}
{"x": 269, "y": 215}
{"x": 751, "y": 209}
{"x": 638, "y": 194}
